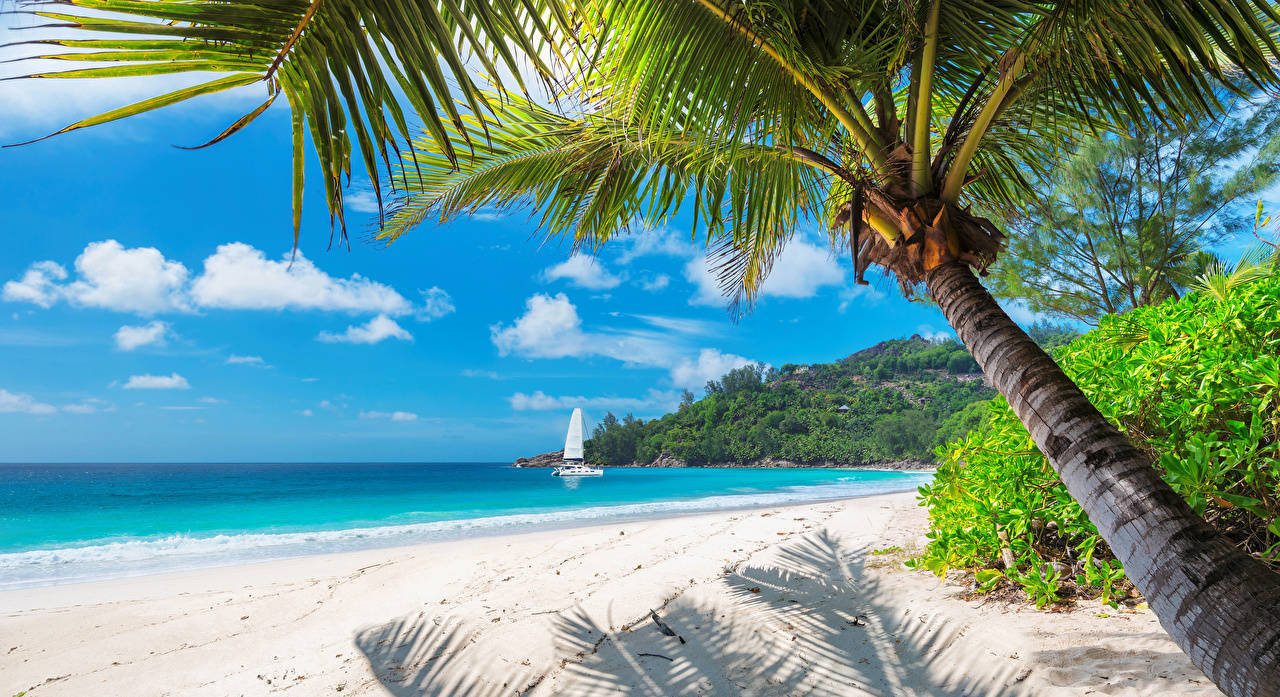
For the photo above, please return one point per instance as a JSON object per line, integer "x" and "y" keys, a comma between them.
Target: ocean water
{"x": 68, "y": 523}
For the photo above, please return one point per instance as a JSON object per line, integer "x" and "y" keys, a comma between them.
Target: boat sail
{"x": 573, "y": 440}
{"x": 573, "y": 455}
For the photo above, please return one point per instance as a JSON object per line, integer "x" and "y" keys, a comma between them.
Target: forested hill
{"x": 903, "y": 398}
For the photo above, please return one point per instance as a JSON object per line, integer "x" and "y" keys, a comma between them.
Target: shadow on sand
{"x": 812, "y": 622}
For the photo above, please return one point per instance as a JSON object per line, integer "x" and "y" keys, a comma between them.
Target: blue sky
{"x": 149, "y": 312}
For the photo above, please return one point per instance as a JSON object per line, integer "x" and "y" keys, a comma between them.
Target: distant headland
{"x": 887, "y": 406}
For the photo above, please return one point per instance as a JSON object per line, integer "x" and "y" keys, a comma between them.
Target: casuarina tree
{"x": 890, "y": 123}
{"x": 1128, "y": 220}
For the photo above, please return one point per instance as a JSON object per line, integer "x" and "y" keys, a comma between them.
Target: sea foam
{"x": 119, "y": 558}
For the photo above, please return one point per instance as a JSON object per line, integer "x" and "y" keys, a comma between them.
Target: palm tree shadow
{"x": 812, "y": 621}
{"x": 415, "y": 657}
{"x": 809, "y": 624}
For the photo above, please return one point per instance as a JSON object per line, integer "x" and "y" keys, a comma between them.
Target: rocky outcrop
{"x": 544, "y": 460}
{"x": 666, "y": 459}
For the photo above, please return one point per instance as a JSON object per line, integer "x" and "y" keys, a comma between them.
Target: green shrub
{"x": 962, "y": 422}
{"x": 1194, "y": 383}
{"x": 906, "y": 434}
{"x": 961, "y": 362}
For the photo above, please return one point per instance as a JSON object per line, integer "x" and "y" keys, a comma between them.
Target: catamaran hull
{"x": 577, "y": 472}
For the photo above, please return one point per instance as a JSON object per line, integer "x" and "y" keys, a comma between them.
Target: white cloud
{"x": 710, "y": 364}
{"x": 361, "y": 201}
{"x": 403, "y": 416}
{"x": 306, "y": 412}
{"x": 799, "y": 272}
{"x": 492, "y": 375}
{"x": 129, "y": 338}
{"x": 540, "y": 401}
{"x": 235, "y": 277}
{"x": 584, "y": 271}
{"x": 38, "y": 285}
{"x": 211, "y": 400}
{"x": 436, "y": 303}
{"x": 706, "y": 285}
{"x": 655, "y": 283}
{"x": 82, "y": 408}
{"x": 928, "y": 332}
{"x": 240, "y": 277}
{"x": 682, "y": 325}
{"x": 19, "y": 403}
{"x": 549, "y": 328}
{"x": 371, "y": 332}
{"x": 233, "y": 359}
{"x": 157, "y": 382}
{"x": 862, "y": 294}
{"x": 655, "y": 400}
{"x": 136, "y": 280}
{"x": 650, "y": 242}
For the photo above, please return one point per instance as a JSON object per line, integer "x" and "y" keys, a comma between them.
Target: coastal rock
{"x": 910, "y": 465}
{"x": 554, "y": 459}
{"x": 666, "y": 459}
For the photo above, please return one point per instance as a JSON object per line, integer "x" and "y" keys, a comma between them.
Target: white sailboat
{"x": 573, "y": 466}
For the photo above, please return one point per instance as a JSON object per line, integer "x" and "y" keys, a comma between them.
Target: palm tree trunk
{"x": 1218, "y": 603}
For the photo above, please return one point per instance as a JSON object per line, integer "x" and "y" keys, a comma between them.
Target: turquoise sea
{"x": 74, "y": 522}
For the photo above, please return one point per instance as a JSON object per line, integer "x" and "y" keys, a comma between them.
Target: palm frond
{"x": 1099, "y": 66}
{"x": 1220, "y": 280}
{"x": 590, "y": 178}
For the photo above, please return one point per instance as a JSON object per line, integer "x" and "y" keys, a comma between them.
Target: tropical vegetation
{"x": 1130, "y": 220}
{"x": 892, "y": 124}
{"x": 897, "y": 400}
{"x": 1194, "y": 382}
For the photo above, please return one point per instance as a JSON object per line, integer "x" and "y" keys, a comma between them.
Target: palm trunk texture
{"x": 1218, "y": 603}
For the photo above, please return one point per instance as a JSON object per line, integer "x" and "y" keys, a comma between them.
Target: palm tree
{"x": 890, "y": 122}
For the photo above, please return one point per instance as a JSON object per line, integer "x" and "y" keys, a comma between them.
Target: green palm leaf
{"x": 592, "y": 178}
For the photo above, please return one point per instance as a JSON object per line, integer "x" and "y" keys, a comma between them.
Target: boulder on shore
{"x": 554, "y": 459}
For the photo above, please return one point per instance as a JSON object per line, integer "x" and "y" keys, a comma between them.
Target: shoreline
{"x": 366, "y": 539}
{"x": 282, "y": 568}
{"x": 792, "y": 599}
{"x": 666, "y": 461}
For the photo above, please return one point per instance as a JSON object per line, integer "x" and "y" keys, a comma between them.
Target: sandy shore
{"x": 781, "y": 601}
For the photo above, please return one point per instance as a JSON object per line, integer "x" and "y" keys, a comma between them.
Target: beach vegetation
{"x": 891, "y": 125}
{"x": 1194, "y": 382}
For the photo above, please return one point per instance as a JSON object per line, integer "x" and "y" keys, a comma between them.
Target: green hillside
{"x": 904, "y": 397}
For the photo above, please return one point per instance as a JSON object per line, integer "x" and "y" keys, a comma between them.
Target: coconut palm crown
{"x": 888, "y": 122}
{"x": 891, "y": 123}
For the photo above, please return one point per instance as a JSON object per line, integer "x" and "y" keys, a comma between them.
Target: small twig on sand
{"x": 656, "y": 655}
{"x": 662, "y": 626}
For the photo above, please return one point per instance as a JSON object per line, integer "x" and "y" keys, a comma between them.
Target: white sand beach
{"x": 767, "y": 602}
